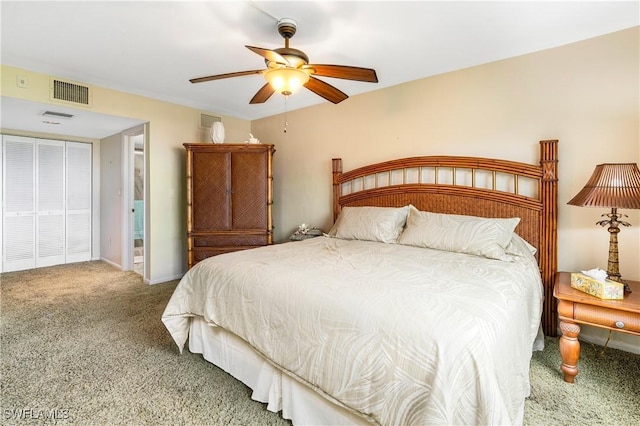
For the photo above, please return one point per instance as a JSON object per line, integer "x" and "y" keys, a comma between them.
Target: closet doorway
{"x": 134, "y": 209}
{"x": 46, "y": 187}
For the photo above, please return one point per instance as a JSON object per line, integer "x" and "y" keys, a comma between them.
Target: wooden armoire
{"x": 229, "y": 198}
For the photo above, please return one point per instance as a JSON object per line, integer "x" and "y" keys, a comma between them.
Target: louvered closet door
{"x": 50, "y": 235}
{"x": 18, "y": 207}
{"x": 78, "y": 191}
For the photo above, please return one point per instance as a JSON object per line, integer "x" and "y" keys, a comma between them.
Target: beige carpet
{"x": 84, "y": 344}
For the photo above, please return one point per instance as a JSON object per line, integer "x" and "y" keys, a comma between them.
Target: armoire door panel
{"x": 231, "y": 239}
{"x": 248, "y": 191}
{"x": 211, "y": 202}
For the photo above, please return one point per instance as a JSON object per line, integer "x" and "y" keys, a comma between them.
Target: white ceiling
{"x": 153, "y": 48}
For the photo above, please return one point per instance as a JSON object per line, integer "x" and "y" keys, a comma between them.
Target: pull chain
{"x": 286, "y": 123}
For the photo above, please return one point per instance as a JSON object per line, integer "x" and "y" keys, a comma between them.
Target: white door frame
{"x": 1, "y": 200}
{"x": 128, "y": 148}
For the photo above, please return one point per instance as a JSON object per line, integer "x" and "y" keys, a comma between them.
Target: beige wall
{"x": 170, "y": 126}
{"x": 110, "y": 199}
{"x": 586, "y": 94}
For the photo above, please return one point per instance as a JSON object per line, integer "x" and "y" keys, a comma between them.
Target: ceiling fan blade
{"x": 345, "y": 72}
{"x": 263, "y": 94}
{"x": 269, "y": 55}
{"x": 227, "y": 75}
{"x": 325, "y": 90}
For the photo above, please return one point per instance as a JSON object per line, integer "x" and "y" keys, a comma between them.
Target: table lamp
{"x": 615, "y": 186}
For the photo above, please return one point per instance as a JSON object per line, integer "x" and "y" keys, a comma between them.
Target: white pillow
{"x": 382, "y": 224}
{"x": 462, "y": 234}
{"x": 512, "y": 248}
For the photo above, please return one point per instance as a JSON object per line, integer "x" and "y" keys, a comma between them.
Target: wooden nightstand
{"x": 576, "y": 307}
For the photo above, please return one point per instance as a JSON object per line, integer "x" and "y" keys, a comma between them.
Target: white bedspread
{"x": 400, "y": 335}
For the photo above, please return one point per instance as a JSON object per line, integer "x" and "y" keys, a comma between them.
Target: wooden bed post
{"x": 549, "y": 236}
{"x": 337, "y": 171}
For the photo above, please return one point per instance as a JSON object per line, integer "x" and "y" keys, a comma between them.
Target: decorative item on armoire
{"x": 217, "y": 132}
{"x": 615, "y": 186}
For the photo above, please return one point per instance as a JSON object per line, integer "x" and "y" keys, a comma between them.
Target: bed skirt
{"x": 280, "y": 392}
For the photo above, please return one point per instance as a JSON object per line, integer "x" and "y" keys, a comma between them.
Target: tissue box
{"x": 606, "y": 289}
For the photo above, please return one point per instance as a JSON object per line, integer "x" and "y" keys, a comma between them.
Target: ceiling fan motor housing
{"x": 296, "y": 57}
{"x": 287, "y": 27}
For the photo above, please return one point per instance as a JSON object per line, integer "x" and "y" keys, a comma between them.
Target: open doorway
{"x": 134, "y": 238}
{"x": 138, "y": 204}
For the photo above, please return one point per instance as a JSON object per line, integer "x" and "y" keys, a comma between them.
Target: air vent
{"x": 57, "y": 114}
{"x": 208, "y": 120}
{"x": 69, "y": 91}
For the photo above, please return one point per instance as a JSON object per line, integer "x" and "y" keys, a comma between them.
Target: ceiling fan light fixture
{"x": 286, "y": 80}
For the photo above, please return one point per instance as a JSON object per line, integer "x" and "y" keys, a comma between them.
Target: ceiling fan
{"x": 288, "y": 69}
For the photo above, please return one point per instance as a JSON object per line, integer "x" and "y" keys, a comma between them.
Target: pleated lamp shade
{"x": 611, "y": 185}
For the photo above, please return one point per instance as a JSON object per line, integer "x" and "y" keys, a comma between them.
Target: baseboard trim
{"x": 111, "y": 263}
{"x": 146, "y": 281}
{"x": 164, "y": 279}
{"x": 615, "y": 342}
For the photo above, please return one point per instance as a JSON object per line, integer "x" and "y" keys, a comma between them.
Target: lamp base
{"x": 613, "y": 271}
{"x": 617, "y": 279}
{"x": 627, "y": 289}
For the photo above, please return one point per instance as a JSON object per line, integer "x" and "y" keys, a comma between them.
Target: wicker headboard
{"x": 470, "y": 186}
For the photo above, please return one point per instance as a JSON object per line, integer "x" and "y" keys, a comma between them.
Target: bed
{"x": 421, "y": 305}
